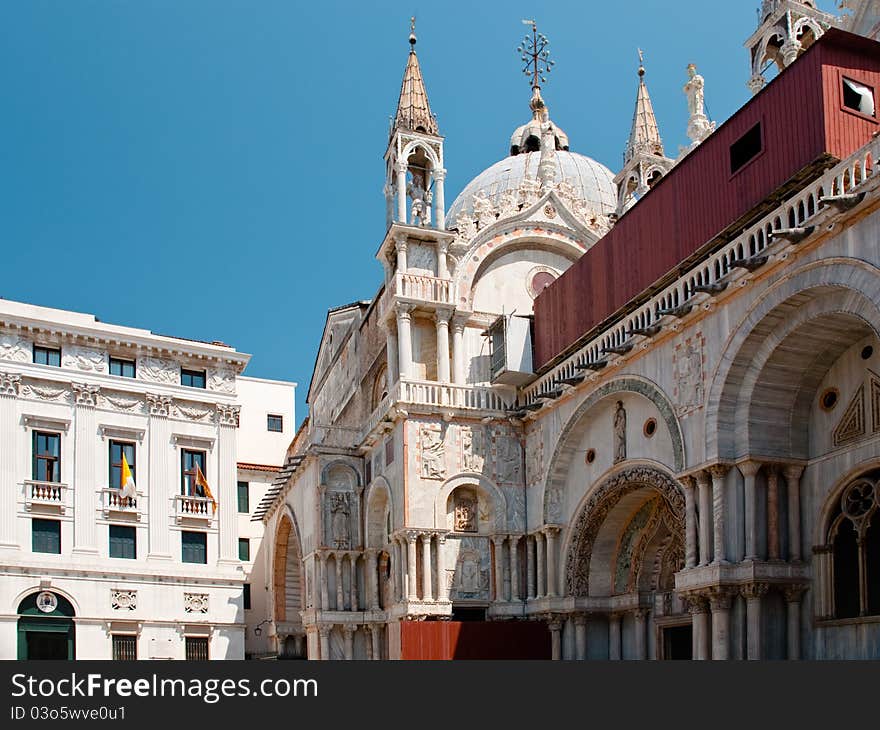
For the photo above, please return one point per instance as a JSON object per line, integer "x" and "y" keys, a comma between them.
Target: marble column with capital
{"x": 640, "y": 623}
{"x": 459, "y": 376}
{"x": 614, "y": 653}
{"x": 514, "y": 567}
{"x": 324, "y": 634}
{"x": 705, "y": 497}
{"x": 427, "y": 587}
{"x": 551, "y": 533}
{"x": 348, "y": 632}
{"x": 439, "y": 198}
{"x": 719, "y": 513}
{"x": 85, "y": 476}
{"x": 754, "y": 593}
{"x": 772, "y": 512}
{"x": 442, "y": 587}
{"x": 540, "y": 564}
{"x": 340, "y": 596}
{"x": 159, "y": 486}
{"x": 555, "y": 626}
{"x": 749, "y": 470}
{"x": 793, "y": 597}
{"x": 372, "y": 580}
{"x": 227, "y": 516}
{"x": 698, "y": 607}
{"x": 404, "y": 340}
{"x": 580, "y": 636}
{"x": 353, "y": 592}
{"x": 442, "y": 320}
{"x": 412, "y": 586}
{"x": 400, "y": 170}
{"x": 690, "y": 522}
{"x": 498, "y": 543}
{"x": 376, "y": 641}
{"x": 719, "y": 602}
{"x": 325, "y": 582}
{"x": 10, "y": 388}
{"x": 530, "y": 568}
{"x": 793, "y": 482}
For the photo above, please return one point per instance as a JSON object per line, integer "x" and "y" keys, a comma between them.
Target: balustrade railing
{"x": 47, "y": 494}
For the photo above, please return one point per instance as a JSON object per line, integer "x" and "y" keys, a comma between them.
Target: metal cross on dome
{"x": 535, "y": 56}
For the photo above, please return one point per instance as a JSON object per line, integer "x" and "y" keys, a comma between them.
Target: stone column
{"x": 793, "y": 481}
{"x": 325, "y": 582}
{"x": 540, "y": 591}
{"x": 375, "y": 640}
{"x": 498, "y": 542}
{"x": 404, "y": 339}
{"x": 719, "y": 602}
{"x": 10, "y": 387}
{"x": 555, "y": 626}
{"x": 348, "y": 631}
{"x": 442, "y": 262}
{"x": 159, "y": 488}
{"x": 699, "y": 610}
{"x": 412, "y": 587}
{"x": 227, "y": 514}
{"x": 427, "y": 588}
{"x": 641, "y": 621}
{"x": 552, "y": 532}
{"x": 353, "y": 561}
{"x": 772, "y": 512}
{"x": 393, "y": 356}
{"x": 400, "y": 169}
{"x": 85, "y": 474}
{"x": 372, "y": 580}
{"x": 580, "y": 637}
{"x": 443, "y": 316}
{"x": 530, "y": 568}
{"x": 614, "y": 637}
{"x": 705, "y": 517}
{"x": 690, "y": 523}
{"x": 749, "y": 470}
{"x": 514, "y": 567}
{"x": 324, "y": 633}
{"x": 439, "y": 199}
{"x": 459, "y": 376}
{"x": 442, "y": 588}
{"x": 753, "y": 593}
{"x": 793, "y": 595}
{"x": 718, "y": 472}
{"x": 340, "y": 596}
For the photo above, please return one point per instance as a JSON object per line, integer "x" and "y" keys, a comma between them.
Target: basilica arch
{"x": 487, "y": 492}
{"x": 287, "y": 584}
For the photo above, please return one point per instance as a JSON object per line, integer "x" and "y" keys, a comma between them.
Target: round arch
{"x": 288, "y": 590}
{"x": 45, "y": 631}
{"x": 489, "y": 490}
{"x": 378, "y": 505}
{"x": 577, "y": 424}
{"x": 342, "y": 465}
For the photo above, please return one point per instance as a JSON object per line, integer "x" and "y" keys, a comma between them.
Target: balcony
{"x": 418, "y": 289}
{"x": 193, "y": 509}
{"x": 113, "y": 503}
{"x": 45, "y": 496}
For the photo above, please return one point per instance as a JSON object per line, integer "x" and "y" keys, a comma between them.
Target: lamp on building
{"x": 257, "y": 629}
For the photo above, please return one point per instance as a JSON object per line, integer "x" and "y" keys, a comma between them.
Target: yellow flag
{"x": 203, "y": 483}
{"x": 126, "y": 486}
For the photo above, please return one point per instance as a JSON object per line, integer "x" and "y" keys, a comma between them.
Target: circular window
{"x": 539, "y": 280}
{"x": 829, "y": 399}
{"x": 591, "y": 456}
{"x": 650, "y": 427}
{"x": 867, "y": 353}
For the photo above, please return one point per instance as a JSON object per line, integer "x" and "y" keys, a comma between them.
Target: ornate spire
{"x": 645, "y": 134}
{"x": 413, "y": 110}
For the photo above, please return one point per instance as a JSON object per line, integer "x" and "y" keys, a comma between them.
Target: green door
{"x": 46, "y": 634}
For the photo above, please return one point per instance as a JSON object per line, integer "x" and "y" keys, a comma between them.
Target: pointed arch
{"x": 288, "y": 589}
{"x": 378, "y": 507}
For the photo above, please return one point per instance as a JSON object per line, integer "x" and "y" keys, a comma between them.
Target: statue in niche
{"x": 694, "y": 89}
{"x": 340, "y": 513}
{"x": 465, "y": 513}
{"x": 472, "y": 579}
{"x": 431, "y": 440}
{"x": 419, "y": 197}
{"x": 619, "y": 433}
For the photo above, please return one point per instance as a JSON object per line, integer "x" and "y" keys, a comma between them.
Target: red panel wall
{"x": 446, "y": 640}
{"x": 801, "y": 120}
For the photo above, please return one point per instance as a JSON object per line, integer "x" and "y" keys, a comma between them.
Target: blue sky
{"x": 213, "y": 169}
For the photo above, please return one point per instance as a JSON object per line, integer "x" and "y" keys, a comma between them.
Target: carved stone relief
{"x": 120, "y": 402}
{"x": 47, "y": 393}
{"x": 432, "y": 451}
{"x": 339, "y": 506}
{"x": 619, "y": 432}
{"x": 195, "y": 602}
{"x": 465, "y": 517}
{"x": 221, "y": 380}
{"x": 158, "y": 370}
{"x": 535, "y": 457}
{"x": 15, "y": 349}
{"x": 123, "y": 600}
{"x": 473, "y": 449}
{"x": 471, "y": 576}
{"x": 422, "y": 259}
{"x": 191, "y": 412}
{"x": 687, "y": 365}
{"x": 508, "y": 459}
{"x": 84, "y": 358}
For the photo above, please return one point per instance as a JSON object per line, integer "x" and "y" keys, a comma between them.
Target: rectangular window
{"x": 246, "y": 597}
{"x": 389, "y": 451}
{"x": 859, "y": 98}
{"x": 275, "y": 423}
{"x": 125, "y": 648}
{"x": 244, "y": 549}
{"x": 122, "y": 368}
{"x": 47, "y": 356}
{"x": 46, "y": 536}
{"x": 746, "y": 148}
{"x": 117, "y": 449}
{"x": 192, "y": 378}
{"x": 194, "y": 547}
{"x": 123, "y": 542}
{"x": 196, "y": 649}
{"x": 188, "y": 462}
{"x": 47, "y": 457}
{"x": 244, "y": 503}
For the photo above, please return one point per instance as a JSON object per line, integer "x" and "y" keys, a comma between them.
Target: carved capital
{"x": 86, "y": 395}
{"x": 702, "y": 478}
{"x": 554, "y": 622}
{"x": 749, "y": 468}
{"x": 228, "y": 415}
{"x": 412, "y": 536}
{"x": 401, "y": 243}
{"x": 439, "y": 174}
{"x": 718, "y": 471}
{"x": 794, "y": 593}
{"x": 443, "y": 315}
{"x": 404, "y": 311}
{"x": 640, "y": 614}
{"x": 696, "y": 603}
{"x": 754, "y": 591}
{"x": 793, "y": 472}
{"x": 325, "y": 630}
{"x": 159, "y": 405}
{"x": 349, "y": 629}
{"x": 498, "y": 540}
{"x": 10, "y": 385}
{"x": 720, "y": 599}
{"x": 581, "y": 619}
{"x": 688, "y": 482}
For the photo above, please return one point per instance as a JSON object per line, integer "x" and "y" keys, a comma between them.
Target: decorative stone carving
{"x": 432, "y": 451}
{"x": 119, "y": 402}
{"x": 874, "y": 380}
{"x": 84, "y": 358}
{"x": 45, "y": 393}
{"x": 191, "y": 412}
{"x": 473, "y": 449}
{"x": 471, "y": 577}
{"x": 553, "y": 504}
{"x": 158, "y": 370}
{"x": 465, "y": 518}
{"x": 594, "y": 512}
{"x": 687, "y": 365}
{"x": 159, "y": 405}
{"x": 421, "y": 259}
{"x": 535, "y": 457}
{"x": 852, "y": 424}
{"x": 340, "y": 519}
{"x": 529, "y": 192}
{"x": 619, "y": 432}
{"x": 626, "y": 546}
{"x": 15, "y": 349}
{"x": 508, "y": 460}
{"x": 123, "y": 600}
{"x": 466, "y": 225}
{"x": 484, "y": 210}
{"x": 10, "y": 384}
{"x": 228, "y": 415}
{"x": 221, "y": 380}
{"x": 86, "y": 395}
{"x": 195, "y": 602}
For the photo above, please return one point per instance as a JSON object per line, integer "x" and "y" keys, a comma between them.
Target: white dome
{"x": 591, "y": 180}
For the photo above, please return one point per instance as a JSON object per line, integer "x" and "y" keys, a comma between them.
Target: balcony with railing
{"x": 45, "y": 496}
{"x": 418, "y": 289}
{"x": 189, "y": 509}
{"x": 113, "y": 503}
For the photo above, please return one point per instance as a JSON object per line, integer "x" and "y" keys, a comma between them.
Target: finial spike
{"x": 641, "y": 62}
{"x": 412, "y": 31}
{"x": 534, "y": 52}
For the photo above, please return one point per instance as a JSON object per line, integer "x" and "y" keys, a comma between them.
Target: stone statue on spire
{"x": 699, "y": 126}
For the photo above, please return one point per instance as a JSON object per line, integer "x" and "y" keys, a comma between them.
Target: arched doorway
{"x": 45, "y": 627}
{"x": 288, "y": 591}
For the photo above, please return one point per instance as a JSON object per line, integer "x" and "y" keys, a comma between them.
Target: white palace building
{"x": 87, "y": 573}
